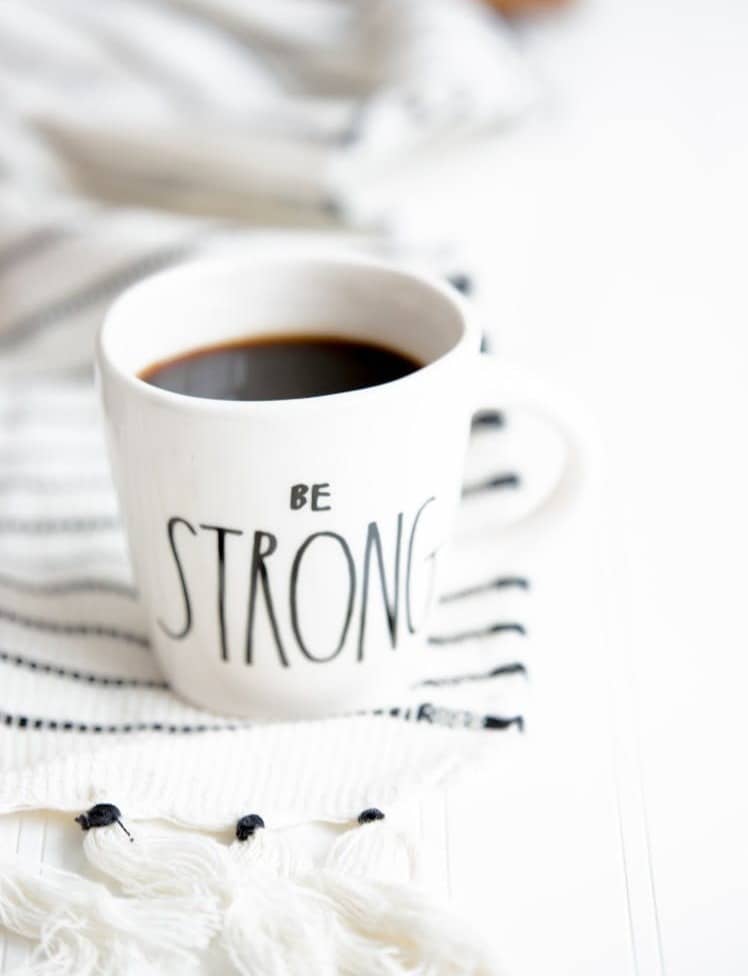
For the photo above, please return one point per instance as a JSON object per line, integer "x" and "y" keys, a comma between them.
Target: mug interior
{"x": 212, "y": 302}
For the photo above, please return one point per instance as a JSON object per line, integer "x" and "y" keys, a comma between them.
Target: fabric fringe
{"x": 405, "y": 927}
{"x": 175, "y": 865}
{"x": 375, "y": 850}
{"x": 80, "y": 928}
{"x": 282, "y": 924}
{"x": 268, "y": 907}
{"x": 278, "y": 927}
{"x": 367, "y": 877}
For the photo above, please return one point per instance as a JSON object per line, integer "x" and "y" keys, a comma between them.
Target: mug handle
{"x": 536, "y": 428}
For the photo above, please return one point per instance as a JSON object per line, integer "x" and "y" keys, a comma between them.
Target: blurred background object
{"x": 282, "y": 112}
{"x": 135, "y": 134}
{"x": 516, "y": 8}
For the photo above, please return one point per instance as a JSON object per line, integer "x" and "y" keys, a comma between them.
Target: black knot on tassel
{"x": 101, "y": 815}
{"x": 246, "y": 826}
{"x": 370, "y": 815}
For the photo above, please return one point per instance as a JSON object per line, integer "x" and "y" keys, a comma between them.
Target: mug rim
{"x": 106, "y": 361}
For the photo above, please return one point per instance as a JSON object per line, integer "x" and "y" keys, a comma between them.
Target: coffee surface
{"x": 279, "y": 368}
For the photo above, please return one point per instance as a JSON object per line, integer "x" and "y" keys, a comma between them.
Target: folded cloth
{"x": 275, "y": 112}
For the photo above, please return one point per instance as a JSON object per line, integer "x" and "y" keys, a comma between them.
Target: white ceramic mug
{"x": 285, "y": 551}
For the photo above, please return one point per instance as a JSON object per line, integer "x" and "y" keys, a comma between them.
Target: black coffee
{"x": 279, "y": 368}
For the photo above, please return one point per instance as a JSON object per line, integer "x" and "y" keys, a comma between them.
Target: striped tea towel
{"x": 77, "y": 673}
{"x": 78, "y": 678}
{"x": 88, "y": 725}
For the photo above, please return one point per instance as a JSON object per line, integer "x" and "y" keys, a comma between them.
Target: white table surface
{"x": 609, "y": 236}
{"x": 623, "y": 277}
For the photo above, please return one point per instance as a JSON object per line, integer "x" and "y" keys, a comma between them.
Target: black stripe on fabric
{"x": 62, "y": 587}
{"x": 102, "y": 288}
{"x": 488, "y": 420}
{"x": 451, "y": 717}
{"x": 56, "y": 526}
{"x": 497, "y": 482}
{"x": 431, "y": 714}
{"x": 478, "y": 634}
{"x": 76, "y": 674}
{"x": 503, "y": 670}
{"x": 30, "y": 245}
{"x": 501, "y": 582}
{"x": 496, "y": 722}
{"x": 72, "y": 629}
{"x": 67, "y": 725}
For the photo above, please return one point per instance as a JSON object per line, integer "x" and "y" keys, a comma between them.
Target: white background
{"x": 612, "y": 239}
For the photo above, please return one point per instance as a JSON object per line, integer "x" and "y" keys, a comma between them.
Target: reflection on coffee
{"x": 279, "y": 368}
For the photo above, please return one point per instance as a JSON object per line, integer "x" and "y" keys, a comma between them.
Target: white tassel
{"x": 268, "y": 924}
{"x": 242, "y": 890}
{"x": 420, "y": 937}
{"x": 80, "y": 928}
{"x": 175, "y": 865}
{"x": 366, "y": 877}
{"x": 295, "y": 928}
{"x": 255, "y": 847}
{"x": 374, "y": 850}
{"x": 277, "y": 915}
{"x": 276, "y": 926}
